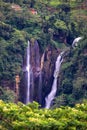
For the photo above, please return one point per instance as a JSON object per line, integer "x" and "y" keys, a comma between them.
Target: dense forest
{"x": 54, "y": 24}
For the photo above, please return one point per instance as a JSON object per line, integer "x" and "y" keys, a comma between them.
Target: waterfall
{"x": 28, "y": 74}
{"x": 52, "y": 94}
{"x": 76, "y": 40}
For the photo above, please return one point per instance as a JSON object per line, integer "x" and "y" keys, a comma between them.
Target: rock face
{"x": 42, "y": 67}
{"x": 35, "y": 58}
{"x": 48, "y": 70}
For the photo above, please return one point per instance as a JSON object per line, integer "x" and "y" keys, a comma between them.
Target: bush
{"x": 25, "y": 117}
{"x": 7, "y": 95}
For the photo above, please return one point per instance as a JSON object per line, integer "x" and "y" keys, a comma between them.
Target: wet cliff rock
{"x": 42, "y": 67}
{"x": 50, "y": 57}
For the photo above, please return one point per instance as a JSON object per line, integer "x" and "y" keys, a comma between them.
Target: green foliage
{"x": 59, "y": 24}
{"x": 16, "y": 117}
{"x": 79, "y": 86}
{"x": 67, "y": 86}
{"x": 54, "y": 3}
{"x": 66, "y": 65}
{"x": 5, "y": 31}
{"x": 60, "y": 101}
{"x": 7, "y": 95}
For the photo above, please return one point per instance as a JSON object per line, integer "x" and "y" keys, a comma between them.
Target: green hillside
{"x": 54, "y": 22}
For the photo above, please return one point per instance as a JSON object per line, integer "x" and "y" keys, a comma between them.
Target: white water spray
{"x": 28, "y": 74}
{"x": 76, "y": 40}
{"x": 52, "y": 94}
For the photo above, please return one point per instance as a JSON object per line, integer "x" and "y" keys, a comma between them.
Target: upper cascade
{"x": 76, "y": 40}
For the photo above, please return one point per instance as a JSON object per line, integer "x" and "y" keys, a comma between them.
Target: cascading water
{"x": 76, "y": 40}
{"x": 28, "y": 74}
{"x": 52, "y": 94}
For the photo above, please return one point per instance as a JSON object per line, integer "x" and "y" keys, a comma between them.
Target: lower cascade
{"x": 52, "y": 94}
